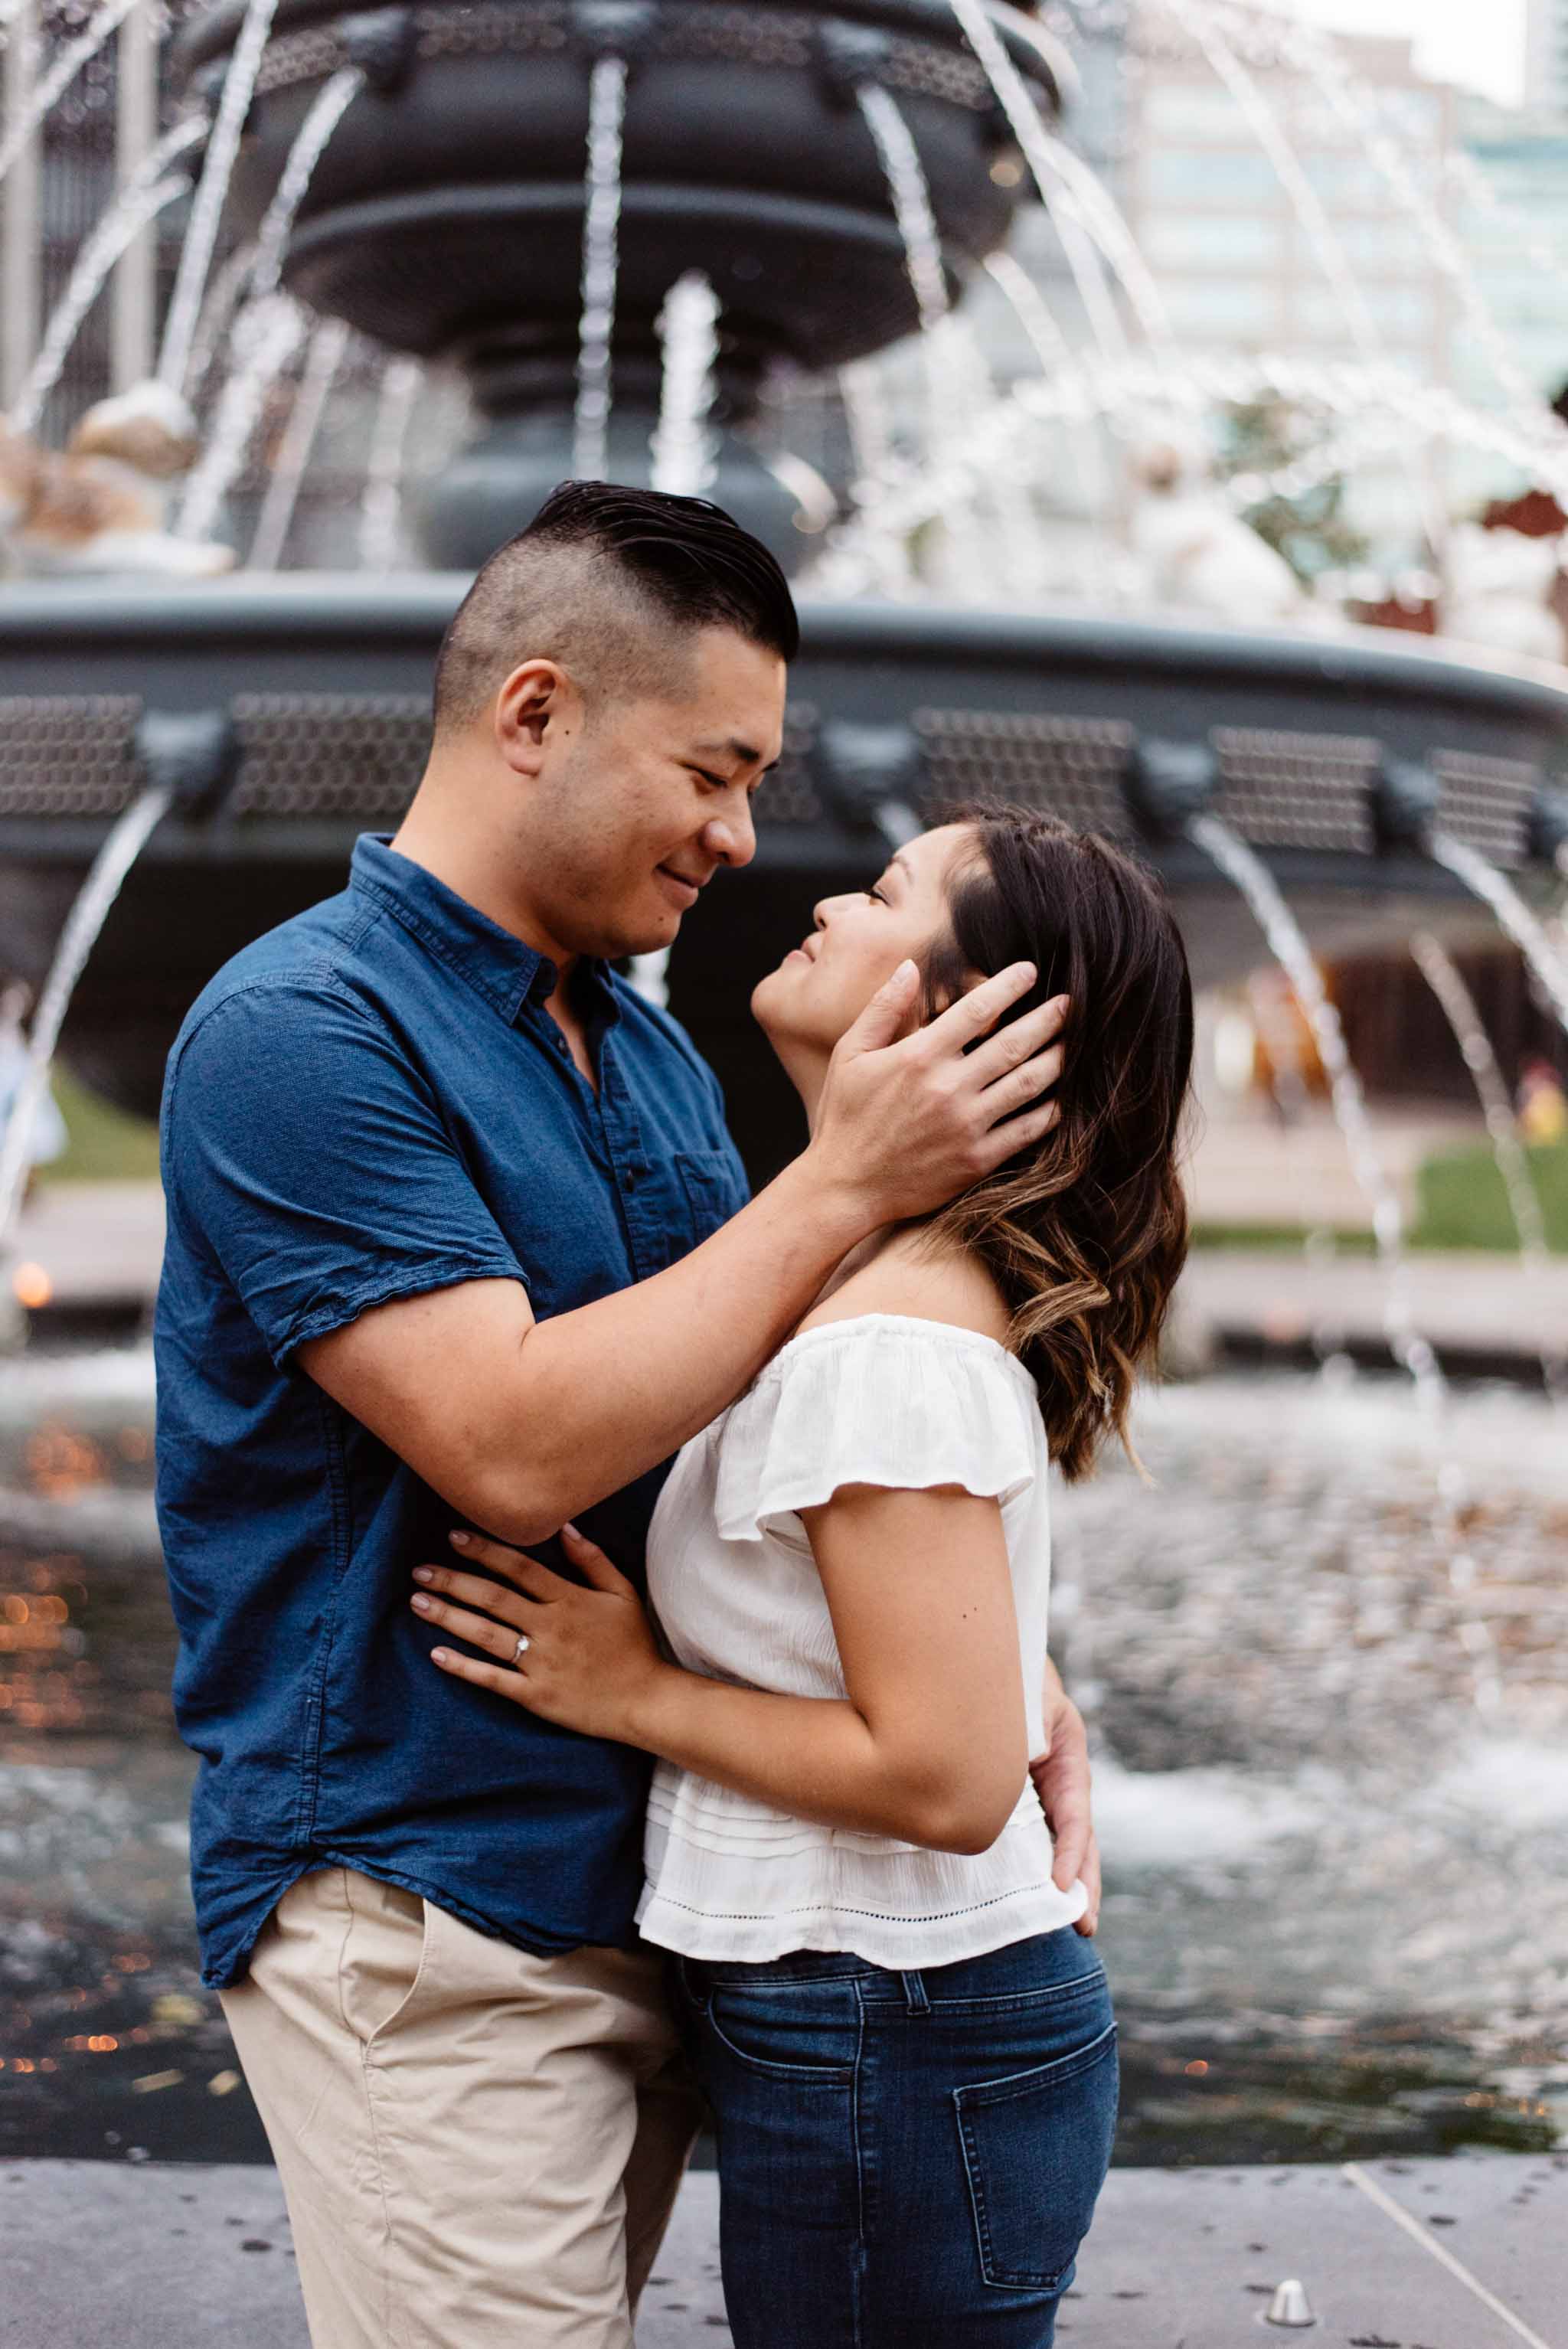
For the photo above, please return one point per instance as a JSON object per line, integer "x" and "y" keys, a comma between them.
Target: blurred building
{"x": 1511, "y": 219}
{"x": 1546, "y": 53}
{"x": 1239, "y": 257}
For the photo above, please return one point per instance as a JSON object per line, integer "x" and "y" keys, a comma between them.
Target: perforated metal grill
{"x": 927, "y": 71}
{"x": 329, "y": 753}
{"x": 1486, "y": 802}
{"x": 68, "y": 754}
{"x": 1070, "y": 767}
{"x": 1296, "y": 791}
{"x": 310, "y": 56}
{"x": 735, "y": 35}
{"x": 764, "y": 36}
{"x": 788, "y": 796}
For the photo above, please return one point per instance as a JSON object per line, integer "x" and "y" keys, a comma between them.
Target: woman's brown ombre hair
{"x": 1086, "y": 1232}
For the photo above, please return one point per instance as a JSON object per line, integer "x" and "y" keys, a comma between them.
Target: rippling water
{"x": 1337, "y": 1893}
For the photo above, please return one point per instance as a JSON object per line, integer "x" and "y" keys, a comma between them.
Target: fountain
{"x": 620, "y": 222}
{"x": 515, "y": 189}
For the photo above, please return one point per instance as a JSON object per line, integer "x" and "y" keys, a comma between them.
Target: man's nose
{"x": 731, "y": 837}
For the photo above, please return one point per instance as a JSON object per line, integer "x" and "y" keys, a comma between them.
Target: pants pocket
{"x": 768, "y": 2037}
{"x": 385, "y": 1959}
{"x": 1037, "y": 2147}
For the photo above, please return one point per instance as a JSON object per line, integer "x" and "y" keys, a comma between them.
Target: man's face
{"x": 637, "y": 811}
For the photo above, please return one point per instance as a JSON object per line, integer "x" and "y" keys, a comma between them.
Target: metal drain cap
{"x": 1289, "y": 2305}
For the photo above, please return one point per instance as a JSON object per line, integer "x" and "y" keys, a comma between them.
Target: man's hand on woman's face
{"x": 908, "y": 1121}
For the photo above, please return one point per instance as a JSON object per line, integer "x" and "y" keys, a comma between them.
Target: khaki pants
{"x": 478, "y": 2146}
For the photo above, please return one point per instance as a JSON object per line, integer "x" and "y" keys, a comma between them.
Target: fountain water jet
{"x": 601, "y": 268}
{"x": 1496, "y": 890}
{"x": 682, "y": 450}
{"x": 106, "y": 877}
{"x": 1056, "y": 168}
{"x": 317, "y": 377}
{"x": 146, "y": 194}
{"x": 381, "y": 507}
{"x": 1410, "y": 1348}
{"x": 327, "y": 111}
{"x": 206, "y": 214}
{"x": 1442, "y": 975}
{"x": 1295, "y": 956}
{"x": 53, "y": 86}
{"x": 224, "y": 294}
{"x": 266, "y": 336}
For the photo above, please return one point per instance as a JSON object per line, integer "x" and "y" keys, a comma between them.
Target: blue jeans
{"x": 906, "y": 2161}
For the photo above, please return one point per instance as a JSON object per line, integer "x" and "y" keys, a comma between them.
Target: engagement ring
{"x": 521, "y": 1647}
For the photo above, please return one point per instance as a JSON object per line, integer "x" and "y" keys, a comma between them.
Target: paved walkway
{"x": 1475, "y": 1309}
{"x": 98, "y": 1246}
{"x": 1465, "y": 2254}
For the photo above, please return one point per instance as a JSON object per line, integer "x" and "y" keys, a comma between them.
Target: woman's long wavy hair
{"x": 1086, "y": 1232}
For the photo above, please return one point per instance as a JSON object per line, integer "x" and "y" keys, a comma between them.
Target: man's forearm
{"x": 605, "y": 1393}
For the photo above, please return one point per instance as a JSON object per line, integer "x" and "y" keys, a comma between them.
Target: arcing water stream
{"x": 600, "y": 249}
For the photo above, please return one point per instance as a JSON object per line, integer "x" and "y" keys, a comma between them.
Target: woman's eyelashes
{"x": 876, "y": 896}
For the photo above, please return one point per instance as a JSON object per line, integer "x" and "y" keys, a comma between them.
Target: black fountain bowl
{"x": 327, "y": 683}
{"x": 451, "y": 205}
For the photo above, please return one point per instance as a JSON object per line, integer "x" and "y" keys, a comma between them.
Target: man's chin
{"x": 652, "y": 937}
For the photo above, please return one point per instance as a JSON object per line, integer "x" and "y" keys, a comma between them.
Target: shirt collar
{"x": 496, "y": 965}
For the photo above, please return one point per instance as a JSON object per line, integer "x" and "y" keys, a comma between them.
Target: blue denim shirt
{"x": 370, "y": 1103}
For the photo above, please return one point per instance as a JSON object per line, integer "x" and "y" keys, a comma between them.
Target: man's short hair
{"x": 606, "y": 580}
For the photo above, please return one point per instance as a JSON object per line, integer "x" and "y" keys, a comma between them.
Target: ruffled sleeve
{"x": 879, "y": 1400}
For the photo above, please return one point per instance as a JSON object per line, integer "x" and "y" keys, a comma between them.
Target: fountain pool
{"x": 1337, "y": 1912}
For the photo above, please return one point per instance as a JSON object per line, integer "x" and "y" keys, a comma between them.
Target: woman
{"x": 910, "y": 2054}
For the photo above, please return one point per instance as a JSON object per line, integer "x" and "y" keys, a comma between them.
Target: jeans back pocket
{"x": 1037, "y": 2147}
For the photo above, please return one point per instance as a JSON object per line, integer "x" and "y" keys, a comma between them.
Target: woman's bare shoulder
{"x": 907, "y": 1275}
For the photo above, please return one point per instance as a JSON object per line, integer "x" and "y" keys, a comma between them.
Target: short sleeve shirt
{"x": 370, "y": 1103}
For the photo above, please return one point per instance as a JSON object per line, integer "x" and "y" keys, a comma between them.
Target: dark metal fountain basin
{"x": 327, "y": 680}
{"x": 445, "y": 219}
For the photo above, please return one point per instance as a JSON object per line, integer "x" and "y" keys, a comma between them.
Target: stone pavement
{"x": 1471, "y": 2253}
{"x": 1481, "y": 1312}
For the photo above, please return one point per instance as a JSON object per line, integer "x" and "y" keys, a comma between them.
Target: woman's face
{"x": 822, "y": 986}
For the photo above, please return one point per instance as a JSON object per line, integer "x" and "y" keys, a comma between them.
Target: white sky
{"x": 1456, "y": 40}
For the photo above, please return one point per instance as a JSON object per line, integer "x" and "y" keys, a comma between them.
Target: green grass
{"x": 1462, "y": 1202}
{"x": 1278, "y": 1238}
{"x": 105, "y": 1144}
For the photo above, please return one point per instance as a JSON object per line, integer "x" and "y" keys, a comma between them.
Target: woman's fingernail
{"x": 421, "y": 1603}
{"x": 573, "y": 1531}
{"x": 424, "y": 1574}
{"x": 461, "y": 1541}
{"x": 441, "y": 1655}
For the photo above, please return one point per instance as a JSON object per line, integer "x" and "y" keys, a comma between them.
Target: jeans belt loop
{"x": 914, "y": 1996}
{"x": 695, "y": 1983}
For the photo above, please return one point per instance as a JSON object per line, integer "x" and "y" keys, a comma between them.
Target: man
{"x": 457, "y": 1234}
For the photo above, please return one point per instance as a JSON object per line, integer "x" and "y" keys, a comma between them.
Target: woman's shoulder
{"x": 908, "y": 1275}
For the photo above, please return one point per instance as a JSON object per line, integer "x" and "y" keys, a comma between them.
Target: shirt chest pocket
{"x": 706, "y": 1178}
{"x": 684, "y": 1199}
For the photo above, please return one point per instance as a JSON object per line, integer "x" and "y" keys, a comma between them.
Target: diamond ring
{"x": 521, "y": 1647}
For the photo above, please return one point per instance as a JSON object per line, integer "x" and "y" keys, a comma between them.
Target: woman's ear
{"x": 947, "y": 990}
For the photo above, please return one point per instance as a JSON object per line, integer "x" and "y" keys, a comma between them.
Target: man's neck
{"x": 473, "y": 870}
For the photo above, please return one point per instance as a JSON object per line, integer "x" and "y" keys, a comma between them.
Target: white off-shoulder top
{"x": 879, "y": 1399}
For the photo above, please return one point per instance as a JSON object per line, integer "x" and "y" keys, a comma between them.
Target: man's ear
{"x": 537, "y": 708}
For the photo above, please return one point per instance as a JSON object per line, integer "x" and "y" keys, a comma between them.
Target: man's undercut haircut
{"x": 610, "y": 583}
